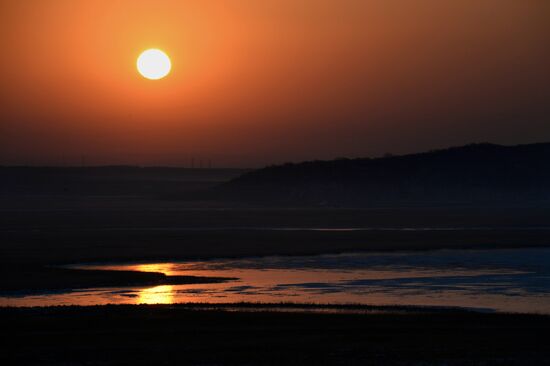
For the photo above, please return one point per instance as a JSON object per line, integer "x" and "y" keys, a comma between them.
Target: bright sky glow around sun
{"x": 248, "y": 83}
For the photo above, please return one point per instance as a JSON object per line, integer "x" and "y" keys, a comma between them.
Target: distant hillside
{"x": 109, "y": 180}
{"x": 477, "y": 173}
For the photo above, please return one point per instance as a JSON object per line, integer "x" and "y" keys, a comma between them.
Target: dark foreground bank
{"x": 168, "y": 334}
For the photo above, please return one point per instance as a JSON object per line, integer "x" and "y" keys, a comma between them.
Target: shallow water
{"x": 516, "y": 280}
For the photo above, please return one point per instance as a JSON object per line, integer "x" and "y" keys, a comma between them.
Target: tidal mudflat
{"x": 509, "y": 280}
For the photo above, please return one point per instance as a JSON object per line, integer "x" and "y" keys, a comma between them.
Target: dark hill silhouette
{"x": 477, "y": 173}
{"x": 108, "y": 180}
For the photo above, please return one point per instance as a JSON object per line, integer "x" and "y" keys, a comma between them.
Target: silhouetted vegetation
{"x": 186, "y": 335}
{"x": 477, "y": 173}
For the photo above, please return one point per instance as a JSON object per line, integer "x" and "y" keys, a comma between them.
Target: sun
{"x": 154, "y": 64}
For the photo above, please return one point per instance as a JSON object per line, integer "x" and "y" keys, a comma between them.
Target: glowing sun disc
{"x": 154, "y": 64}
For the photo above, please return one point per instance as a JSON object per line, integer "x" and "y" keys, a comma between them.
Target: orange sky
{"x": 258, "y": 82}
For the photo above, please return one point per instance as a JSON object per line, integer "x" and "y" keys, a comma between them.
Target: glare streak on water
{"x": 516, "y": 280}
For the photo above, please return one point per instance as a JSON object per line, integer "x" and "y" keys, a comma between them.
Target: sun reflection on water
{"x": 165, "y": 268}
{"x": 159, "y": 294}
{"x": 156, "y": 295}
{"x": 505, "y": 280}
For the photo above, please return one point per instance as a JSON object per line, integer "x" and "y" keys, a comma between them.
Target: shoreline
{"x": 292, "y": 307}
{"x": 53, "y": 278}
{"x": 47, "y": 279}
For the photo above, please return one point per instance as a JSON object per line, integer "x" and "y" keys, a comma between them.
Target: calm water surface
{"x": 516, "y": 280}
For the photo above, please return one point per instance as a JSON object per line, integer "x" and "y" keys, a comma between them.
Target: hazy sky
{"x": 266, "y": 81}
